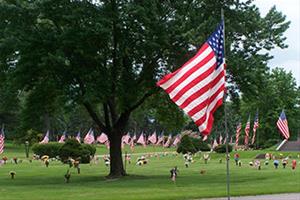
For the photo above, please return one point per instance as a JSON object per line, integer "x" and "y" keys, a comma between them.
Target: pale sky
{"x": 288, "y": 58}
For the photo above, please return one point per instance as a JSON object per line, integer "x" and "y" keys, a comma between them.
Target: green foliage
{"x": 200, "y": 145}
{"x": 269, "y": 143}
{"x": 186, "y": 145}
{"x": 51, "y": 149}
{"x": 73, "y": 149}
{"x": 222, "y": 148}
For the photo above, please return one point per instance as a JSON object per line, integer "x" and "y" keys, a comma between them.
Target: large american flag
{"x": 247, "y": 130}
{"x": 238, "y": 132}
{"x": 282, "y": 125}
{"x": 198, "y": 86}
{"x": 2, "y": 137}
{"x": 45, "y": 139}
{"x": 255, "y": 127}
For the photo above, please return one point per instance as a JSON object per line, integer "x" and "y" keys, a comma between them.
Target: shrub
{"x": 200, "y": 145}
{"x": 269, "y": 143}
{"x": 51, "y": 149}
{"x": 72, "y": 148}
{"x": 186, "y": 145}
{"x": 222, "y": 148}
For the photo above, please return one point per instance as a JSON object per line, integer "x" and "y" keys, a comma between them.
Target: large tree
{"x": 107, "y": 55}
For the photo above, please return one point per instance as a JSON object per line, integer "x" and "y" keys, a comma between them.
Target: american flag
{"x": 78, "y": 137}
{"x": 215, "y": 143}
{"x": 2, "y": 137}
{"x": 126, "y": 139}
{"x": 238, "y": 132}
{"x": 177, "y": 140}
{"x": 160, "y": 139}
{"x": 62, "y": 138}
{"x": 247, "y": 130}
{"x": 204, "y": 138}
{"x": 89, "y": 137}
{"x": 102, "y": 138}
{"x": 220, "y": 139}
{"x": 255, "y": 126}
{"x": 282, "y": 125}
{"x": 198, "y": 86}
{"x": 141, "y": 140}
{"x": 46, "y": 138}
{"x": 153, "y": 138}
{"x": 168, "y": 142}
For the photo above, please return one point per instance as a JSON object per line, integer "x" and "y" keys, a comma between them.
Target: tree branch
{"x": 124, "y": 117}
{"x": 95, "y": 117}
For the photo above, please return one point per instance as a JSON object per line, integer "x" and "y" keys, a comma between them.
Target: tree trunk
{"x": 116, "y": 161}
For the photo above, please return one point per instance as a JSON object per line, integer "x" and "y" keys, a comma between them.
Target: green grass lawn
{"x": 151, "y": 181}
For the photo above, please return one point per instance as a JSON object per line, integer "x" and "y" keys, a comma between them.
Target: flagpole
{"x": 225, "y": 113}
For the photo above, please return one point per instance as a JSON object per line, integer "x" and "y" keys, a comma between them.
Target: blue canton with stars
{"x": 216, "y": 42}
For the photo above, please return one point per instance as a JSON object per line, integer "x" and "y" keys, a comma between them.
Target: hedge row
{"x": 70, "y": 149}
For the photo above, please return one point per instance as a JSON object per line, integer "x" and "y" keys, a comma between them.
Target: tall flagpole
{"x": 225, "y": 113}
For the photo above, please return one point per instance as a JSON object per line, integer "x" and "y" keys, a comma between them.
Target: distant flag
{"x": 168, "y": 142}
{"x": 102, "y": 138}
{"x": 177, "y": 140}
{"x": 133, "y": 138}
{"x": 255, "y": 126}
{"x": 247, "y": 130}
{"x": 160, "y": 139}
{"x": 126, "y": 139}
{"x": 78, "y": 137}
{"x": 282, "y": 125}
{"x": 89, "y": 137}
{"x": 231, "y": 140}
{"x": 45, "y": 139}
{"x": 198, "y": 86}
{"x": 204, "y": 138}
{"x": 132, "y": 144}
{"x": 215, "y": 144}
{"x": 221, "y": 139}
{"x": 2, "y": 138}
{"x": 153, "y": 138}
{"x": 238, "y": 132}
{"x": 142, "y": 140}
{"x": 62, "y": 138}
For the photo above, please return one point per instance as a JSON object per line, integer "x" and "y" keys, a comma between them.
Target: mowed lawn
{"x": 151, "y": 181}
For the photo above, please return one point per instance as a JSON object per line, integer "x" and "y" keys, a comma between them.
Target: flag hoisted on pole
{"x": 198, "y": 86}
{"x": 247, "y": 130}
{"x": 282, "y": 125}
{"x": 255, "y": 127}
{"x": 237, "y": 135}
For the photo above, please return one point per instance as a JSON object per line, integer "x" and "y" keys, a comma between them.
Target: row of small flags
{"x": 282, "y": 125}
{"x": 126, "y": 139}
